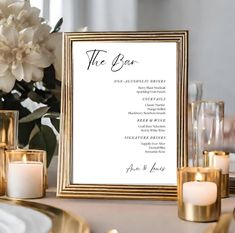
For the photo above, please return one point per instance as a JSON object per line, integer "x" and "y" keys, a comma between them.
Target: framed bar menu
{"x": 123, "y": 123}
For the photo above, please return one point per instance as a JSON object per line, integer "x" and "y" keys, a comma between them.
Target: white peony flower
{"x": 19, "y": 13}
{"x": 55, "y": 45}
{"x": 24, "y": 51}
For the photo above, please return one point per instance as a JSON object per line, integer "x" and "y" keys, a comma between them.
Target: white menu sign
{"x": 124, "y": 113}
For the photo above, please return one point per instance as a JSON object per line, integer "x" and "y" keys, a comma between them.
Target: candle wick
{"x": 198, "y": 177}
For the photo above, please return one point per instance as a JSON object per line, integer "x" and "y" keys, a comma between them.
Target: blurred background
{"x": 211, "y": 26}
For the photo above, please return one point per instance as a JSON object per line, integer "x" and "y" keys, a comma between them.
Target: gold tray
{"x": 224, "y": 225}
{"x": 62, "y": 221}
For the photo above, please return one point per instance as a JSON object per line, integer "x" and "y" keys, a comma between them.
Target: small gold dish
{"x": 62, "y": 221}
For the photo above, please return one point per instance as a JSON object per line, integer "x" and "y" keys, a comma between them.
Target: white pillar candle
{"x": 201, "y": 193}
{"x": 221, "y": 162}
{"x": 25, "y": 179}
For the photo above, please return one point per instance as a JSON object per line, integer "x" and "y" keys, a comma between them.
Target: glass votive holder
{"x": 9, "y": 120}
{"x": 26, "y": 173}
{"x": 207, "y": 127}
{"x": 199, "y": 197}
{"x": 219, "y": 160}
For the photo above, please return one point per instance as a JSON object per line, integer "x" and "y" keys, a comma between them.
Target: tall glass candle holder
{"x": 195, "y": 91}
{"x": 199, "y": 197}
{"x": 25, "y": 173}
{"x": 208, "y": 128}
{"x": 9, "y": 121}
{"x": 219, "y": 160}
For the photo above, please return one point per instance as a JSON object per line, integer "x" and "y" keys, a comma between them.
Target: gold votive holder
{"x": 2, "y": 172}
{"x": 9, "y": 120}
{"x": 199, "y": 197}
{"x": 219, "y": 159}
{"x": 26, "y": 173}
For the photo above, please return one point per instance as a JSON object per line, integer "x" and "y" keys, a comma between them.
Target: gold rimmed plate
{"x": 62, "y": 221}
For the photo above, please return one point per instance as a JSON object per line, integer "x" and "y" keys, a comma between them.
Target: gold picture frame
{"x": 79, "y": 58}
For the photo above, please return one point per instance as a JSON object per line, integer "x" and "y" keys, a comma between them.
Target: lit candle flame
{"x": 24, "y": 158}
{"x": 4, "y": 135}
{"x": 112, "y": 231}
{"x": 198, "y": 176}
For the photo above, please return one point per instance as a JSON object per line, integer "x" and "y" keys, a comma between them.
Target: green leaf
{"x": 37, "y": 114}
{"x": 19, "y": 87}
{"x": 45, "y": 139}
{"x": 34, "y": 131}
{"x": 23, "y": 111}
{"x": 49, "y": 77}
{"x": 57, "y": 94}
{"x": 25, "y": 130}
{"x": 37, "y": 142}
{"x": 44, "y": 94}
{"x": 54, "y": 104}
{"x": 35, "y": 97}
{"x": 50, "y": 140}
{"x": 58, "y": 25}
{"x": 16, "y": 96}
{"x": 52, "y": 115}
{"x": 56, "y": 123}
{"x": 24, "y": 88}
